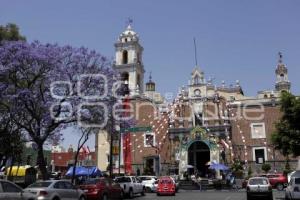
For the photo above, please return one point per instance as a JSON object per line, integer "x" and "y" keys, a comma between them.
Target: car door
{"x": 71, "y": 191}
{"x": 59, "y": 187}
{"x": 113, "y": 189}
{"x": 10, "y": 191}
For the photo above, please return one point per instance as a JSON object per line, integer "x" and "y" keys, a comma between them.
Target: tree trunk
{"x": 41, "y": 162}
{"x": 74, "y": 166}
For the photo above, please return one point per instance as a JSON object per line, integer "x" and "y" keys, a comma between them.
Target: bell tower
{"x": 282, "y": 81}
{"x": 128, "y": 60}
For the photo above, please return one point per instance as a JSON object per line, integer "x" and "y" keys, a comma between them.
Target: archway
{"x": 199, "y": 156}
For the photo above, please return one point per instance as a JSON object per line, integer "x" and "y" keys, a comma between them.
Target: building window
{"x": 197, "y": 80}
{"x": 149, "y": 139}
{"x": 259, "y": 155}
{"x": 258, "y": 130}
{"x": 125, "y": 57}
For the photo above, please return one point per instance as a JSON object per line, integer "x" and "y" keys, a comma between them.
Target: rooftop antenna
{"x": 195, "y": 50}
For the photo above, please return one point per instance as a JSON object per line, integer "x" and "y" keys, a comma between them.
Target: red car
{"x": 166, "y": 186}
{"x": 278, "y": 181}
{"x": 102, "y": 189}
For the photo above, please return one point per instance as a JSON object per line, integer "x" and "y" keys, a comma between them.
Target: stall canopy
{"x": 218, "y": 166}
{"x": 84, "y": 171}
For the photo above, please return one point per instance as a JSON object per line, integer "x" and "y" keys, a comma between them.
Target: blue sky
{"x": 235, "y": 39}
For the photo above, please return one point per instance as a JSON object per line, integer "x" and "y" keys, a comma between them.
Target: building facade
{"x": 204, "y": 124}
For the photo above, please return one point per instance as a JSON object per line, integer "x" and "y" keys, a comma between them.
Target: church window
{"x": 258, "y": 130}
{"x": 198, "y": 120}
{"x": 149, "y": 139}
{"x": 125, "y": 76}
{"x": 125, "y": 39}
{"x": 196, "y": 80}
{"x": 125, "y": 57}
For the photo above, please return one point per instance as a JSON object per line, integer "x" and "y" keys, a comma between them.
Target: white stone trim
{"x": 252, "y": 130}
{"x": 257, "y": 148}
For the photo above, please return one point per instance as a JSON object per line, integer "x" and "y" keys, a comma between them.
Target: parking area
{"x": 207, "y": 195}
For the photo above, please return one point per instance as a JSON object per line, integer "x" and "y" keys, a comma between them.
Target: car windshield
{"x": 145, "y": 178}
{"x": 165, "y": 181}
{"x": 43, "y": 184}
{"x": 297, "y": 181}
{"x": 123, "y": 180}
{"x": 258, "y": 181}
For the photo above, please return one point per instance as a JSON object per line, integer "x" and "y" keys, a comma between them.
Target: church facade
{"x": 203, "y": 125}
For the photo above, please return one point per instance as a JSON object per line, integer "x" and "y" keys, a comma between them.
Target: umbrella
{"x": 189, "y": 166}
{"x": 218, "y": 166}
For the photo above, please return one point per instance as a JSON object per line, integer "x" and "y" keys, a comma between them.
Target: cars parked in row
{"x": 55, "y": 190}
{"x": 102, "y": 189}
{"x": 11, "y": 191}
{"x": 131, "y": 185}
{"x": 166, "y": 186}
{"x": 293, "y": 190}
{"x": 259, "y": 187}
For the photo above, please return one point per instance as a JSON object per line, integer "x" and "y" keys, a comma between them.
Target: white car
{"x": 149, "y": 182}
{"x": 293, "y": 189}
{"x": 131, "y": 185}
{"x": 259, "y": 187}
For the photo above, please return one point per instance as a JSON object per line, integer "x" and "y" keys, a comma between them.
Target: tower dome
{"x": 282, "y": 82}
{"x": 150, "y": 85}
{"x": 128, "y": 35}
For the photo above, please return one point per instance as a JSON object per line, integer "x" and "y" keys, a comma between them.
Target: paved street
{"x": 208, "y": 195}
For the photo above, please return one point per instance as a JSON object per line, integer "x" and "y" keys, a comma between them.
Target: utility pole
{"x": 111, "y": 131}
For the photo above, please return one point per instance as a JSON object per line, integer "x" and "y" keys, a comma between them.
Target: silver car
{"x": 293, "y": 189}
{"x": 11, "y": 191}
{"x": 55, "y": 190}
{"x": 259, "y": 187}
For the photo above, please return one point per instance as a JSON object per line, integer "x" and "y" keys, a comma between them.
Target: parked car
{"x": 278, "y": 181}
{"x": 259, "y": 187}
{"x": 11, "y": 191}
{"x": 293, "y": 174}
{"x": 293, "y": 190}
{"x": 131, "y": 185}
{"x": 102, "y": 189}
{"x": 166, "y": 186}
{"x": 149, "y": 183}
{"x": 55, "y": 190}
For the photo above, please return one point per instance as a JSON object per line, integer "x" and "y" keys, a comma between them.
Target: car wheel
{"x": 104, "y": 197}
{"x": 157, "y": 194}
{"x": 279, "y": 186}
{"x": 143, "y": 192}
{"x": 56, "y": 198}
{"x": 82, "y": 198}
{"x": 121, "y": 195}
{"x": 130, "y": 194}
{"x": 174, "y": 194}
{"x": 148, "y": 189}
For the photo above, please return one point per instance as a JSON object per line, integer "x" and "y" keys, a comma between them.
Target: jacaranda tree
{"x": 46, "y": 87}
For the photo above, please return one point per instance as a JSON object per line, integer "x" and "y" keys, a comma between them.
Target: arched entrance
{"x": 198, "y": 156}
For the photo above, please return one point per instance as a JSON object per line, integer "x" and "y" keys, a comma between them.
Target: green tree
{"x": 266, "y": 167}
{"x": 10, "y": 32}
{"x": 286, "y": 138}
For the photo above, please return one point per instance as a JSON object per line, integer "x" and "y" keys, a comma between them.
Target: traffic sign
{"x": 136, "y": 129}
